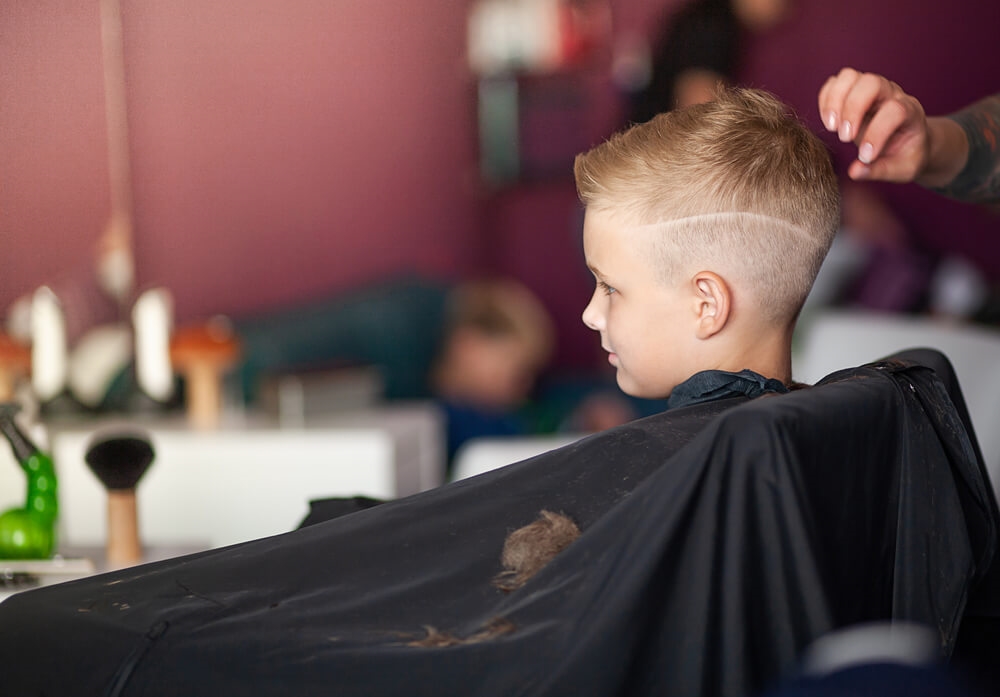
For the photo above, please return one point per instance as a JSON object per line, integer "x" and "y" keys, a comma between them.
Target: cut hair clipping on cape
{"x": 435, "y": 638}
{"x": 528, "y": 549}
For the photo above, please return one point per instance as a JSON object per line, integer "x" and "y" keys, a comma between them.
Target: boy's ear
{"x": 713, "y": 301}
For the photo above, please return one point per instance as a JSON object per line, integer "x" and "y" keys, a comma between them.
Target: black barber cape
{"x": 718, "y": 540}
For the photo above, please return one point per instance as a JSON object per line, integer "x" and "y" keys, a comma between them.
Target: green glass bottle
{"x": 29, "y": 532}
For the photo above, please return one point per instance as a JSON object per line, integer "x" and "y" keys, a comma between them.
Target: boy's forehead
{"x": 600, "y": 230}
{"x": 611, "y": 241}
{"x": 617, "y": 227}
{"x": 608, "y": 217}
{"x": 600, "y": 224}
{"x": 624, "y": 223}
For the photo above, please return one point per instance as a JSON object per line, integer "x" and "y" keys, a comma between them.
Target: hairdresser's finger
{"x": 832, "y": 95}
{"x": 884, "y": 169}
{"x": 868, "y": 93}
{"x": 895, "y": 141}
{"x": 892, "y": 120}
{"x": 859, "y": 171}
{"x": 874, "y": 132}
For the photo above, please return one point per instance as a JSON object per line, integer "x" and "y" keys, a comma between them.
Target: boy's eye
{"x": 608, "y": 290}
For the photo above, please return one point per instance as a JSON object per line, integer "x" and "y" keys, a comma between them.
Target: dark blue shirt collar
{"x": 709, "y": 385}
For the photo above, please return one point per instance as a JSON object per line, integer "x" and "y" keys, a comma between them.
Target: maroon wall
{"x": 53, "y": 164}
{"x": 286, "y": 150}
{"x": 943, "y": 53}
{"x": 279, "y": 150}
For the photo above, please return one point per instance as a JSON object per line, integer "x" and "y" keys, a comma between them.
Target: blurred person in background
{"x": 699, "y": 48}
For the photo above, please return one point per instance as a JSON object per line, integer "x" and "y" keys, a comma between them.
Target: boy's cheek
{"x": 627, "y": 385}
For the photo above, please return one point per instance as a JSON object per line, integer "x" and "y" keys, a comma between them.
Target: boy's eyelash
{"x": 608, "y": 290}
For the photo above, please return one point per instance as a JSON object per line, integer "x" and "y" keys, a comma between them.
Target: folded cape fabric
{"x": 717, "y": 541}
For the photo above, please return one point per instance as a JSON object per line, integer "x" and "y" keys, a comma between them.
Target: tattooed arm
{"x": 979, "y": 179}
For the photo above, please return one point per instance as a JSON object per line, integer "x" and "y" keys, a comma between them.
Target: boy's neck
{"x": 768, "y": 354}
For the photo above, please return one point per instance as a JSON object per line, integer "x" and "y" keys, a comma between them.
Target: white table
{"x": 249, "y": 478}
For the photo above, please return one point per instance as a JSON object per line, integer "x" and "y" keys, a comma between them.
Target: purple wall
{"x": 944, "y": 54}
{"x": 278, "y": 150}
{"x": 281, "y": 152}
{"x": 286, "y": 150}
{"x": 948, "y": 58}
{"x": 53, "y": 164}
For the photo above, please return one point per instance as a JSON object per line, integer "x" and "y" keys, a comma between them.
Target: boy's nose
{"x": 592, "y": 315}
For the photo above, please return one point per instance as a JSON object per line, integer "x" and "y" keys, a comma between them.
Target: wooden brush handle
{"x": 123, "y": 547}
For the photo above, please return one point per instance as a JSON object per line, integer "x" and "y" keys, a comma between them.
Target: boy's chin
{"x": 634, "y": 388}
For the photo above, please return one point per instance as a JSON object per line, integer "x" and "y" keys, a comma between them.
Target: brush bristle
{"x": 119, "y": 461}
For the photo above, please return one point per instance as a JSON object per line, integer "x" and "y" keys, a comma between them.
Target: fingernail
{"x": 865, "y": 153}
{"x": 845, "y": 132}
{"x": 831, "y": 121}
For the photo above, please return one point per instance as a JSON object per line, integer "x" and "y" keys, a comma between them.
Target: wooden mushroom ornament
{"x": 202, "y": 353}
{"x": 15, "y": 362}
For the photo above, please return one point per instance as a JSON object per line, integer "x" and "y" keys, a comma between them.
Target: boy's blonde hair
{"x": 736, "y": 185}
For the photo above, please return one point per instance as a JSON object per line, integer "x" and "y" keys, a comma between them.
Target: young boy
{"x": 705, "y": 228}
{"x": 497, "y": 338}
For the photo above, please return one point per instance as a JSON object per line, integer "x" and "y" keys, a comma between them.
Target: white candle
{"x": 48, "y": 345}
{"x": 152, "y": 318}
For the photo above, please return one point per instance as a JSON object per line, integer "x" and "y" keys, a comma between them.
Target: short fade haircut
{"x": 752, "y": 193}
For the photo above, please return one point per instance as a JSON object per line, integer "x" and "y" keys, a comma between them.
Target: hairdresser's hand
{"x": 896, "y": 141}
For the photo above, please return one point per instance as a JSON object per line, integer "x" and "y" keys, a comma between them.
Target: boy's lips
{"x": 612, "y": 357}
